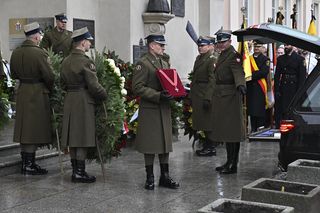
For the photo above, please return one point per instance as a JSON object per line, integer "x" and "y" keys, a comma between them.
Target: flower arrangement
{"x": 3, "y": 108}
{"x": 187, "y": 121}
{"x": 131, "y": 102}
{"x": 56, "y": 97}
{"x": 109, "y": 113}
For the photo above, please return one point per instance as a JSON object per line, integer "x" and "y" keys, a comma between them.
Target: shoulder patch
{"x": 92, "y": 67}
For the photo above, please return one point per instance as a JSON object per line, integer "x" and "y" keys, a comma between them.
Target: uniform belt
{"x": 224, "y": 83}
{"x": 72, "y": 88}
{"x": 289, "y": 76}
{"x": 202, "y": 81}
{"x": 30, "y": 81}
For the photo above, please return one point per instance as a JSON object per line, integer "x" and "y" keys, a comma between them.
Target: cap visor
{"x": 161, "y": 42}
{"x": 90, "y": 38}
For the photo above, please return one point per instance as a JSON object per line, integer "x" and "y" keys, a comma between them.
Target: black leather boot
{"x": 165, "y": 179}
{"x": 207, "y": 150}
{"x": 29, "y": 167}
{"x": 232, "y": 168}
{"x": 74, "y": 166}
{"x": 81, "y": 176}
{"x": 23, "y": 162}
{"x": 150, "y": 178}
{"x": 227, "y": 164}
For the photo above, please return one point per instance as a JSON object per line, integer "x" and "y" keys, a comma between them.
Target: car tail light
{"x": 286, "y": 126}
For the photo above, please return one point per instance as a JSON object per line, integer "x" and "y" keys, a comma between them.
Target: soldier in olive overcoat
{"x": 78, "y": 76}
{"x": 31, "y": 66}
{"x": 201, "y": 92}
{"x": 154, "y": 134}
{"x": 59, "y": 39}
{"x": 228, "y": 125}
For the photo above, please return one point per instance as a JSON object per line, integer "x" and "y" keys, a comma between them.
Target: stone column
{"x": 156, "y": 17}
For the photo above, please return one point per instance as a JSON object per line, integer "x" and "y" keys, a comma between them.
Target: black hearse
{"x": 300, "y": 128}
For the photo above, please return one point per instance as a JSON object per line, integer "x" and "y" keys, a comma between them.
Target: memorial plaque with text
{"x": 138, "y": 51}
{"x": 80, "y": 23}
{"x": 16, "y": 34}
{"x": 178, "y": 7}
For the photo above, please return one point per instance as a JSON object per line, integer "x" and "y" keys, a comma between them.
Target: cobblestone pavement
{"x": 125, "y": 176}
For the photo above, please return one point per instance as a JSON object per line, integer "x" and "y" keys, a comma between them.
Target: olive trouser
{"x": 28, "y": 148}
{"x": 149, "y": 159}
{"x": 78, "y": 153}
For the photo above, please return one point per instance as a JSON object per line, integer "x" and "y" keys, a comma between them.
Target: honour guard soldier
{"x": 59, "y": 39}
{"x": 31, "y": 66}
{"x": 256, "y": 93}
{"x": 78, "y": 76}
{"x": 289, "y": 76}
{"x": 228, "y": 124}
{"x": 154, "y": 134}
{"x": 201, "y": 93}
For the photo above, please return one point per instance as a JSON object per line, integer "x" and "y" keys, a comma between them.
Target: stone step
{"x": 9, "y": 149}
{"x": 12, "y": 163}
{"x": 10, "y": 159}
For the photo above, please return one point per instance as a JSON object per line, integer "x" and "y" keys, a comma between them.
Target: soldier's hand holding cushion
{"x": 165, "y": 96}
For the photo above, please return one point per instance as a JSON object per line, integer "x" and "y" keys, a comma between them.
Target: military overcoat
{"x": 256, "y": 99}
{"x": 154, "y": 133}
{"x": 30, "y": 64}
{"x": 202, "y": 85}
{"x": 228, "y": 124}
{"x": 60, "y": 42}
{"x": 79, "y": 79}
{"x": 289, "y": 76}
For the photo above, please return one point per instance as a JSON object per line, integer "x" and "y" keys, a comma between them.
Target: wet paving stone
{"x": 125, "y": 176}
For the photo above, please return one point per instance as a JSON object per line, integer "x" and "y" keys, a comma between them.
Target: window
{"x": 311, "y": 98}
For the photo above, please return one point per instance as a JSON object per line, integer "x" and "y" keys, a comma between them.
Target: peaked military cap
{"x": 81, "y": 34}
{"x": 257, "y": 44}
{"x": 32, "y": 28}
{"x": 204, "y": 40}
{"x": 61, "y": 17}
{"x": 223, "y": 35}
{"x": 156, "y": 38}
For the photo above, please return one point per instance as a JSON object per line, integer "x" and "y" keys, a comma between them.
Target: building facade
{"x": 118, "y": 24}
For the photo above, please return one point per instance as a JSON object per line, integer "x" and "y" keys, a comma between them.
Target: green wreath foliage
{"x": 187, "y": 121}
{"x": 56, "y": 97}
{"x": 109, "y": 113}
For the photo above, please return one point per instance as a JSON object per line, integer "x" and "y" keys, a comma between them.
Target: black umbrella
{"x": 270, "y": 33}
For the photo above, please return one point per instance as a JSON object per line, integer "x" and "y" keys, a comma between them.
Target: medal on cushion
{"x": 175, "y": 79}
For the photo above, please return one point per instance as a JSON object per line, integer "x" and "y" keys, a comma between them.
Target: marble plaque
{"x": 16, "y": 34}
{"x": 138, "y": 51}
{"x": 178, "y": 7}
{"x": 80, "y": 23}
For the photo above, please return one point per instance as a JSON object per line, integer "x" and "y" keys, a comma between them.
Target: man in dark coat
{"x": 59, "y": 39}
{"x": 31, "y": 66}
{"x": 201, "y": 91}
{"x": 154, "y": 134}
{"x": 289, "y": 76}
{"x": 256, "y": 89}
{"x": 78, "y": 75}
{"x": 230, "y": 87}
